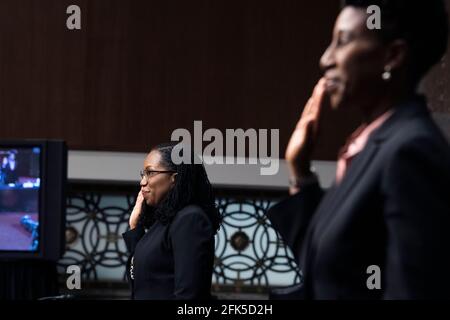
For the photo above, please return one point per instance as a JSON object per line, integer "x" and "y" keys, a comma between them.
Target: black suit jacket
{"x": 173, "y": 261}
{"x": 392, "y": 209}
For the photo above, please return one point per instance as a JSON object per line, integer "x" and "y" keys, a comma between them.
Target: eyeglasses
{"x": 151, "y": 173}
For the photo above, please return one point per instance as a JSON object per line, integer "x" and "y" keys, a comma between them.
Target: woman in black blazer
{"x": 382, "y": 231}
{"x": 171, "y": 241}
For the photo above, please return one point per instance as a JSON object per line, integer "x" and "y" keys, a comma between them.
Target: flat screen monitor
{"x": 33, "y": 176}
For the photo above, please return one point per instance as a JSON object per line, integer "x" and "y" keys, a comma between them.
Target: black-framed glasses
{"x": 151, "y": 173}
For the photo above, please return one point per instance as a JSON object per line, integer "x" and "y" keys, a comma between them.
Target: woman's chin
{"x": 149, "y": 202}
{"x": 339, "y": 101}
{"x": 335, "y": 102}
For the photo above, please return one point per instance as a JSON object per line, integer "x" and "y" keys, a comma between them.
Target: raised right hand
{"x": 302, "y": 142}
{"x": 134, "y": 217}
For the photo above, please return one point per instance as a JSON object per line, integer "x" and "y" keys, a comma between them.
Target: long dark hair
{"x": 191, "y": 186}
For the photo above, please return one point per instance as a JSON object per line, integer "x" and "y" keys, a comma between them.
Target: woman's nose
{"x": 327, "y": 59}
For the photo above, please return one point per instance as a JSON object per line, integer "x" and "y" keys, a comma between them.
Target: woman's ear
{"x": 397, "y": 53}
{"x": 172, "y": 178}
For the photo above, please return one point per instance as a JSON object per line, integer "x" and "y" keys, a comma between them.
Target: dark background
{"x": 138, "y": 69}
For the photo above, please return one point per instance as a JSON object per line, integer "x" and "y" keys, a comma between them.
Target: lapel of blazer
{"x": 326, "y": 211}
{"x": 324, "y": 216}
{"x": 360, "y": 163}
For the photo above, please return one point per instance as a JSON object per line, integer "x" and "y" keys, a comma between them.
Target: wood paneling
{"x": 138, "y": 69}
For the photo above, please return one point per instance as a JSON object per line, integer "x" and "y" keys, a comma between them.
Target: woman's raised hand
{"x": 134, "y": 217}
{"x": 303, "y": 139}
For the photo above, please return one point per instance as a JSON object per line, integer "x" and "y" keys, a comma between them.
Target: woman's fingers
{"x": 316, "y": 106}
{"x": 313, "y": 106}
{"x": 303, "y": 138}
{"x": 317, "y": 97}
{"x": 134, "y": 216}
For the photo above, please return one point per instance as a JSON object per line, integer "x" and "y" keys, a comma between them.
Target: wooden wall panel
{"x": 140, "y": 69}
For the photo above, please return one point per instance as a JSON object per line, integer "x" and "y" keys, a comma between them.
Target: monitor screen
{"x": 20, "y": 183}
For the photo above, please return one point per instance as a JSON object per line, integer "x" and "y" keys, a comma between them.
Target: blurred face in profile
{"x": 353, "y": 62}
{"x": 155, "y": 185}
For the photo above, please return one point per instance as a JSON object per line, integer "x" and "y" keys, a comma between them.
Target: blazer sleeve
{"x": 132, "y": 237}
{"x": 417, "y": 216}
{"x": 192, "y": 240}
{"x": 291, "y": 216}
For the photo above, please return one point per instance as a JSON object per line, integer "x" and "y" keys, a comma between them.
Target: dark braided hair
{"x": 191, "y": 186}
